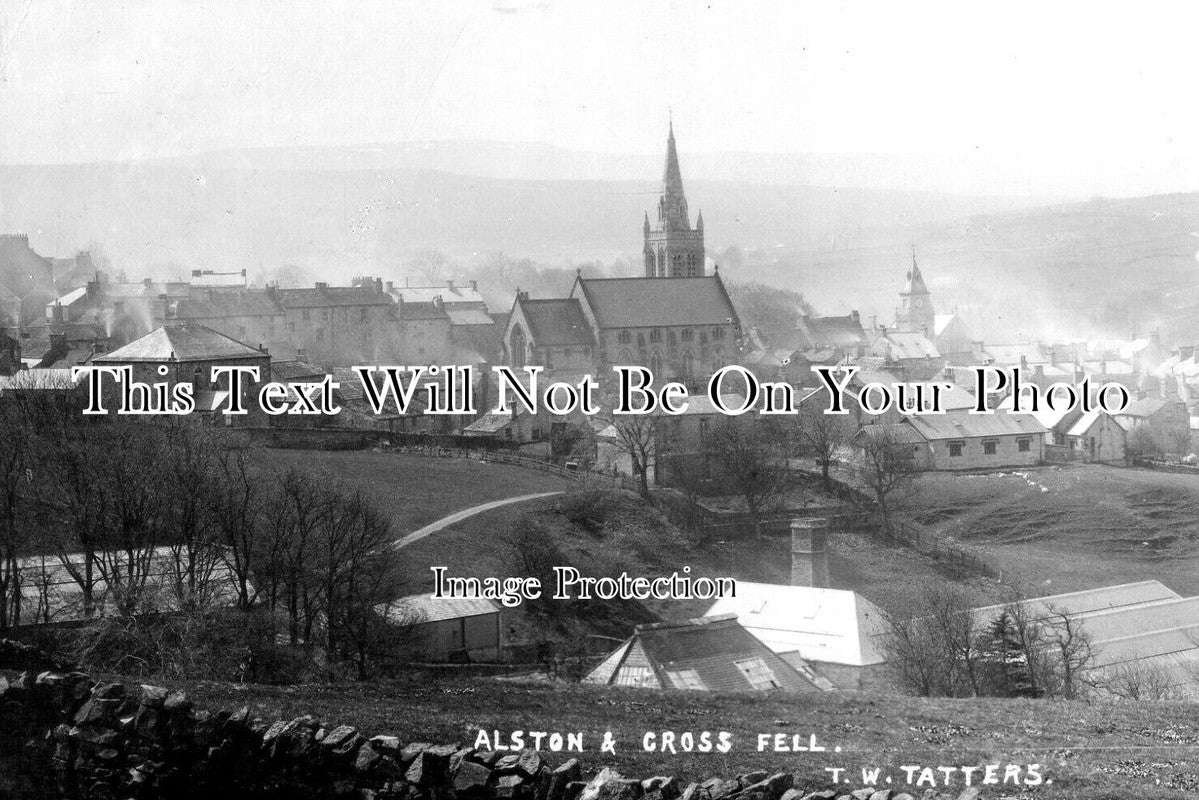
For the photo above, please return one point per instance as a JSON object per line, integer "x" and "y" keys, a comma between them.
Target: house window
{"x": 759, "y": 675}
{"x": 990, "y": 448}
{"x": 1023, "y": 445}
{"x": 685, "y": 679}
{"x": 955, "y": 448}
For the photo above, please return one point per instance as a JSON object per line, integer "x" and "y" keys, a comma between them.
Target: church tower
{"x": 916, "y": 313}
{"x": 673, "y": 249}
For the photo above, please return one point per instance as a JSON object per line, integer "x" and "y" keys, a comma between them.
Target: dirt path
{"x": 458, "y": 516}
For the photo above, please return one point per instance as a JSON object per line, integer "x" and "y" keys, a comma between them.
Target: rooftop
{"x": 181, "y": 341}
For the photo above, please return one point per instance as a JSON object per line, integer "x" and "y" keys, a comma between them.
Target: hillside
{"x": 1118, "y": 525}
{"x": 1088, "y": 750}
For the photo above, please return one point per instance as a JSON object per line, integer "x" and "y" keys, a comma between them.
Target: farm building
{"x": 713, "y": 653}
{"x": 449, "y": 628}
{"x": 1096, "y": 437}
{"x": 839, "y": 633}
{"x": 1143, "y": 629}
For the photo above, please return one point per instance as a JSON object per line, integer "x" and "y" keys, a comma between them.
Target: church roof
{"x": 657, "y": 302}
{"x": 557, "y": 322}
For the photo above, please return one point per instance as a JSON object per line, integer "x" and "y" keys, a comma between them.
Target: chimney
{"x": 147, "y": 282}
{"x": 809, "y": 554}
{"x": 874, "y": 322}
{"x": 1185, "y": 352}
{"x": 390, "y": 285}
{"x": 378, "y": 286}
{"x": 322, "y": 285}
{"x": 449, "y": 284}
{"x": 243, "y": 273}
{"x": 197, "y": 273}
{"x": 855, "y": 316}
{"x": 474, "y": 286}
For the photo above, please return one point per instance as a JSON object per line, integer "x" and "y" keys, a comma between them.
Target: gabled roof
{"x": 964, "y": 425}
{"x": 556, "y": 322}
{"x": 830, "y": 625}
{"x": 1086, "y": 420}
{"x": 421, "y": 608}
{"x": 896, "y": 433}
{"x": 182, "y": 341}
{"x": 295, "y": 370}
{"x": 713, "y": 653}
{"x": 656, "y": 302}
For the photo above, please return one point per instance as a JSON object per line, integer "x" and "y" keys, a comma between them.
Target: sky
{"x": 1083, "y": 97}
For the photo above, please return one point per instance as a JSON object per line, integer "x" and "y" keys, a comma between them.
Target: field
{"x": 415, "y": 490}
{"x": 1086, "y": 750}
{"x": 1061, "y": 529}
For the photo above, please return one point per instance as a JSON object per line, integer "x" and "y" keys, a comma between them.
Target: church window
{"x": 687, "y": 334}
{"x": 304, "y": 314}
{"x": 655, "y": 335}
{"x": 641, "y": 340}
{"x": 625, "y": 337}
{"x": 671, "y": 339}
{"x": 703, "y": 337}
{"x": 655, "y": 363}
{"x": 676, "y": 264}
{"x": 718, "y": 333}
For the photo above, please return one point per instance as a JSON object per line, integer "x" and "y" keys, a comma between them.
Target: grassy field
{"x": 415, "y": 490}
{"x": 1148, "y": 750}
{"x": 1060, "y": 529}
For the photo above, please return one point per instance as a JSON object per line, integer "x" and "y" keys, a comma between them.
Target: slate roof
{"x": 712, "y": 653}
{"x": 450, "y": 295}
{"x": 1146, "y": 406}
{"x": 469, "y": 316}
{"x": 422, "y": 311}
{"x": 1010, "y": 354}
{"x": 1051, "y": 418}
{"x": 910, "y": 345}
{"x": 427, "y": 608}
{"x": 202, "y": 305}
{"x": 557, "y": 322}
{"x": 837, "y": 332}
{"x": 657, "y": 302}
{"x": 831, "y": 625}
{"x": 901, "y": 432}
{"x": 964, "y": 425}
{"x": 322, "y": 296}
{"x": 180, "y": 342}
{"x": 295, "y": 370}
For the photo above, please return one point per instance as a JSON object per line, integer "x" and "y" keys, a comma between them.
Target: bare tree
{"x": 751, "y": 461}
{"x": 886, "y": 467}
{"x": 822, "y": 435}
{"x": 638, "y": 436}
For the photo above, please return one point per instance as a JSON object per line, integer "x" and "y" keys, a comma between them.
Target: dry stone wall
{"x": 67, "y": 737}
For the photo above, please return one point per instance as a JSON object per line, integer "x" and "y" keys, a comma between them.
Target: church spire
{"x": 673, "y": 249}
{"x": 915, "y": 279}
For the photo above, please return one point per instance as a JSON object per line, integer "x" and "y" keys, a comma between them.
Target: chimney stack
{"x": 809, "y": 553}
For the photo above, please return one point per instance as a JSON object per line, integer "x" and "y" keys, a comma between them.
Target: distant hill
{"x": 1110, "y": 267}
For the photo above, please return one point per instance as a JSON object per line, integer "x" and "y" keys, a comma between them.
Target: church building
{"x": 677, "y": 320}
{"x": 915, "y": 313}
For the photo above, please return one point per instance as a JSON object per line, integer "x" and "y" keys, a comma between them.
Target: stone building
{"x": 339, "y": 325}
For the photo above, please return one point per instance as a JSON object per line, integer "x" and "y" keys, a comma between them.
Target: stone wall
{"x": 63, "y": 735}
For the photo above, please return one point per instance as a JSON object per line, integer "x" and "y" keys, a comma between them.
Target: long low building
{"x": 958, "y": 440}
{"x": 1140, "y": 632}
